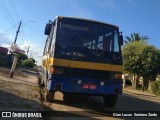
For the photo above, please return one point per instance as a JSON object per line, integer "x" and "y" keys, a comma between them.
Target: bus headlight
{"x": 102, "y": 83}
{"x": 79, "y": 81}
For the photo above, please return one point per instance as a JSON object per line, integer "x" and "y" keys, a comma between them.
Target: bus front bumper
{"x": 92, "y": 88}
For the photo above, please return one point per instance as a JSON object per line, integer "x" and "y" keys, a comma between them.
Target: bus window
{"x": 48, "y": 45}
{"x": 116, "y": 45}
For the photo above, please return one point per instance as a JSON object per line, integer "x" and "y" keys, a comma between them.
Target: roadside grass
{"x": 6, "y": 71}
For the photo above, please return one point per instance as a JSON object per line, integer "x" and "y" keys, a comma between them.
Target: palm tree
{"x": 135, "y": 37}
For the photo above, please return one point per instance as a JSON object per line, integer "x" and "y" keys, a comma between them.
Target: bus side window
{"x": 47, "y": 46}
{"x": 45, "y": 49}
{"x": 53, "y": 39}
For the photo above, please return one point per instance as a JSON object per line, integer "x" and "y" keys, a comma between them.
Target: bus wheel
{"x": 49, "y": 96}
{"x": 110, "y": 100}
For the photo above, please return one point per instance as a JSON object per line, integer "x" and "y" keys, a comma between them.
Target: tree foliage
{"x": 150, "y": 64}
{"x": 132, "y": 57}
{"x": 135, "y": 37}
{"x": 142, "y": 60}
{"x": 28, "y": 63}
{"x": 156, "y": 87}
{"x": 21, "y": 58}
{"x": 3, "y": 58}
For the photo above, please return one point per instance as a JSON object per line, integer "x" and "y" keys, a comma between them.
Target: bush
{"x": 28, "y": 63}
{"x": 156, "y": 87}
{"x": 3, "y": 58}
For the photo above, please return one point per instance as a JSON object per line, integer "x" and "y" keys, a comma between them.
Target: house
{"x": 3, "y": 50}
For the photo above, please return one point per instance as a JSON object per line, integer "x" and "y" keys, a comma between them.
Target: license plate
{"x": 89, "y": 86}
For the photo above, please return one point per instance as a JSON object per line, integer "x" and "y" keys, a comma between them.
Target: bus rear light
{"x": 52, "y": 70}
{"x": 117, "y": 76}
{"x": 56, "y": 70}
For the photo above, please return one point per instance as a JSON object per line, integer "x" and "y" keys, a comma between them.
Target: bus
{"x": 82, "y": 56}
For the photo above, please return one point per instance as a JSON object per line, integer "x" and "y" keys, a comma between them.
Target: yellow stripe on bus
{"x": 86, "y": 65}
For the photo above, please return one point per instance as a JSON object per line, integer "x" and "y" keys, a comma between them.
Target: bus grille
{"x": 92, "y": 74}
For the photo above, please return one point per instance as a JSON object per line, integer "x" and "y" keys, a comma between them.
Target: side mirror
{"x": 121, "y": 38}
{"x": 48, "y": 29}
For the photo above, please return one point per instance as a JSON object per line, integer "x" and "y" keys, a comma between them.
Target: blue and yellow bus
{"x": 82, "y": 56}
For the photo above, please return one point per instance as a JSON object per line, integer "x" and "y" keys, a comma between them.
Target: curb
{"x": 138, "y": 93}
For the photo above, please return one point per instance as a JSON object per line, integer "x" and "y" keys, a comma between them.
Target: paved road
{"x": 94, "y": 108}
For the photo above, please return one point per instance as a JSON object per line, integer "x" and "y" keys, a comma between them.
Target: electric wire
{"x": 5, "y": 15}
{"x": 9, "y": 28}
{"x": 7, "y": 12}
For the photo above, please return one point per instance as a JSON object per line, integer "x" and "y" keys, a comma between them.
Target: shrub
{"x": 3, "y": 58}
{"x": 28, "y": 63}
{"x": 156, "y": 87}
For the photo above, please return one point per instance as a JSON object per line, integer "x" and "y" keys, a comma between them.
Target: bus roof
{"x": 87, "y": 20}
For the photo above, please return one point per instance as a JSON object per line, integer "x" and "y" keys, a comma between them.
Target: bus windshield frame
{"x": 86, "y": 40}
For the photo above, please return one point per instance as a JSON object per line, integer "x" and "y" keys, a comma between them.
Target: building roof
{"x": 3, "y": 50}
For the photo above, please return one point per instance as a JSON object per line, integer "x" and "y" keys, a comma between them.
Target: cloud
{"x": 25, "y": 45}
{"x": 34, "y": 51}
{"x": 6, "y": 40}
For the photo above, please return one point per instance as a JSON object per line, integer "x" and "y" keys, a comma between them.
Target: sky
{"x": 140, "y": 16}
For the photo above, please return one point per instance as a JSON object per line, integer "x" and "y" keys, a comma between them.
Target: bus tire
{"x": 49, "y": 96}
{"x": 110, "y": 100}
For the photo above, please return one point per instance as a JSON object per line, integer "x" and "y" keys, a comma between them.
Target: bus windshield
{"x": 86, "y": 39}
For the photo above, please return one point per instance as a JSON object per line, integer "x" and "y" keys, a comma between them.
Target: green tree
{"x": 141, "y": 59}
{"x": 135, "y": 37}
{"x": 21, "y": 58}
{"x": 131, "y": 59}
{"x": 3, "y": 58}
{"x": 28, "y": 63}
{"x": 33, "y": 60}
{"x": 150, "y": 66}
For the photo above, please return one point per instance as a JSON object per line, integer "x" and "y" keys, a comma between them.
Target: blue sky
{"x": 140, "y": 16}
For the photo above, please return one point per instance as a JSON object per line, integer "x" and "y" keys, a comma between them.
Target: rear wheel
{"x": 110, "y": 100}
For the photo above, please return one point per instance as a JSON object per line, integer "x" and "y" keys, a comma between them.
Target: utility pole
{"x": 15, "y": 57}
{"x": 17, "y": 32}
{"x": 28, "y": 50}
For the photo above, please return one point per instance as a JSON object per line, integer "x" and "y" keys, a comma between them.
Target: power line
{"x": 14, "y": 11}
{"x": 9, "y": 28}
{"x": 7, "y": 12}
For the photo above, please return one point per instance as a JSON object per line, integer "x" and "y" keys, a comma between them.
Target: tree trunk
{"x": 145, "y": 83}
{"x": 149, "y": 85}
{"x": 137, "y": 81}
{"x": 133, "y": 81}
